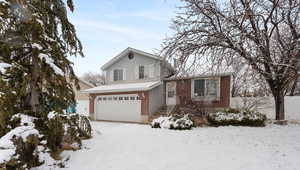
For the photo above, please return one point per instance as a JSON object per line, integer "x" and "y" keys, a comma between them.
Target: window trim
{"x": 118, "y": 76}
{"x": 143, "y": 77}
{"x": 206, "y": 97}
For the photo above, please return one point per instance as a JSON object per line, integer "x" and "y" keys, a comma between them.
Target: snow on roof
{"x": 86, "y": 82}
{"x": 185, "y": 76}
{"x": 124, "y": 87}
{"x": 124, "y": 52}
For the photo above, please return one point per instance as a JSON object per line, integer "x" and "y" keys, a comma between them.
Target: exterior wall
{"x": 143, "y": 95}
{"x": 156, "y": 99}
{"x": 183, "y": 93}
{"x": 129, "y": 67}
{"x": 78, "y": 94}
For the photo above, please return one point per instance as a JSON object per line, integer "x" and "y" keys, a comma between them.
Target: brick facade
{"x": 183, "y": 93}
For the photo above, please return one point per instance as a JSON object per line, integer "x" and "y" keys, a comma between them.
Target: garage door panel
{"x": 119, "y": 108}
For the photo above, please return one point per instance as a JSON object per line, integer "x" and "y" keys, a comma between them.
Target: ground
{"x": 118, "y": 146}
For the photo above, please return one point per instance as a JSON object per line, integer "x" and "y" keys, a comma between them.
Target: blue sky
{"x": 106, "y": 27}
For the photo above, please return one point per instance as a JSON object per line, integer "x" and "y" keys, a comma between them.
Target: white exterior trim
{"x": 206, "y": 97}
{"x": 124, "y": 87}
{"x": 127, "y": 50}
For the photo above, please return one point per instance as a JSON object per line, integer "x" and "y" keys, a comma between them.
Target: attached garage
{"x": 128, "y": 102}
{"x": 125, "y": 107}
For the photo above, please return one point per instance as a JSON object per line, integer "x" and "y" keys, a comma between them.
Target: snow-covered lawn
{"x": 138, "y": 147}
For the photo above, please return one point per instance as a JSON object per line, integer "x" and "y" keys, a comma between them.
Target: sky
{"x": 106, "y": 27}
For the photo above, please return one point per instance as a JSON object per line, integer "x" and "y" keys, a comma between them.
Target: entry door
{"x": 171, "y": 93}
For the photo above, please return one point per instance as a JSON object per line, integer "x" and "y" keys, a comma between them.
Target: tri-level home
{"x": 134, "y": 87}
{"x": 139, "y": 83}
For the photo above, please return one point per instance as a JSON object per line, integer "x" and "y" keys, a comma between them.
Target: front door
{"x": 171, "y": 93}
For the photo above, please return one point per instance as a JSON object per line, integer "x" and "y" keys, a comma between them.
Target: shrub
{"x": 236, "y": 117}
{"x": 176, "y": 122}
{"x": 21, "y": 146}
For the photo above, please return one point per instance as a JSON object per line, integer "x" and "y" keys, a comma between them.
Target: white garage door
{"x": 118, "y": 108}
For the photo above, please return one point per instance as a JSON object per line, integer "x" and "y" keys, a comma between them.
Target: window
{"x": 206, "y": 88}
{"x": 171, "y": 93}
{"x": 126, "y": 98}
{"x": 141, "y": 72}
{"x": 132, "y": 98}
{"x": 118, "y": 74}
{"x": 199, "y": 89}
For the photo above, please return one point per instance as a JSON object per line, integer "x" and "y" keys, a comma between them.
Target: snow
{"x": 25, "y": 119}
{"x": 51, "y": 115}
{"x": 219, "y": 116}
{"x": 38, "y": 46}
{"x": 50, "y": 62}
{"x": 171, "y": 122}
{"x": 116, "y": 146}
{"x": 124, "y": 87}
{"x": 7, "y": 148}
{"x": 4, "y": 66}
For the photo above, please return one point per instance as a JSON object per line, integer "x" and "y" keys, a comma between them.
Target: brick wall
{"x": 183, "y": 90}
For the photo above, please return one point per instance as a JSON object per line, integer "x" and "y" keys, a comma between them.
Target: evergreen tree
{"x": 36, "y": 38}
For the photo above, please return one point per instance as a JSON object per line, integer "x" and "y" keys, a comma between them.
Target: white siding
{"x": 152, "y": 68}
{"x": 156, "y": 99}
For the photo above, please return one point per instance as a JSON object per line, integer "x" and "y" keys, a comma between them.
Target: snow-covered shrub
{"x": 20, "y": 147}
{"x": 177, "y": 122}
{"x": 237, "y": 118}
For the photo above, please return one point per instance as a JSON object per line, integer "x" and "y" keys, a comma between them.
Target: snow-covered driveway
{"x": 138, "y": 147}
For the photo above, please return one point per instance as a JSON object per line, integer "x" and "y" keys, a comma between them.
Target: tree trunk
{"x": 34, "y": 92}
{"x": 279, "y": 105}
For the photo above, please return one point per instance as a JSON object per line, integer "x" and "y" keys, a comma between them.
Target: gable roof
{"x": 86, "y": 83}
{"x": 124, "y": 87}
{"x": 126, "y": 51}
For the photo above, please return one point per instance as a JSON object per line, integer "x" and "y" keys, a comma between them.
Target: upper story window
{"x": 141, "y": 72}
{"x": 118, "y": 74}
{"x": 206, "y": 88}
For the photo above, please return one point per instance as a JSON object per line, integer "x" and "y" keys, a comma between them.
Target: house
{"x": 134, "y": 87}
{"x": 139, "y": 83}
{"x": 82, "y": 99}
{"x": 207, "y": 91}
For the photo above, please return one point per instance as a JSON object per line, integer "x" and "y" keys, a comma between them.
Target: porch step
{"x": 166, "y": 110}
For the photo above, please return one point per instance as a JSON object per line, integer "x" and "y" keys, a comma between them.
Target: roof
{"x": 126, "y": 51}
{"x": 176, "y": 77}
{"x": 85, "y": 82}
{"x": 124, "y": 87}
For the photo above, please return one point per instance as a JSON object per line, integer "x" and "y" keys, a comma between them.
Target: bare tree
{"x": 266, "y": 34}
{"x": 246, "y": 82}
{"x": 96, "y": 79}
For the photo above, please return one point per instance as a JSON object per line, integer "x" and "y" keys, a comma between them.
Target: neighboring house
{"x": 82, "y": 99}
{"x": 134, "y": 87}
{"x": 210, "y": 91}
